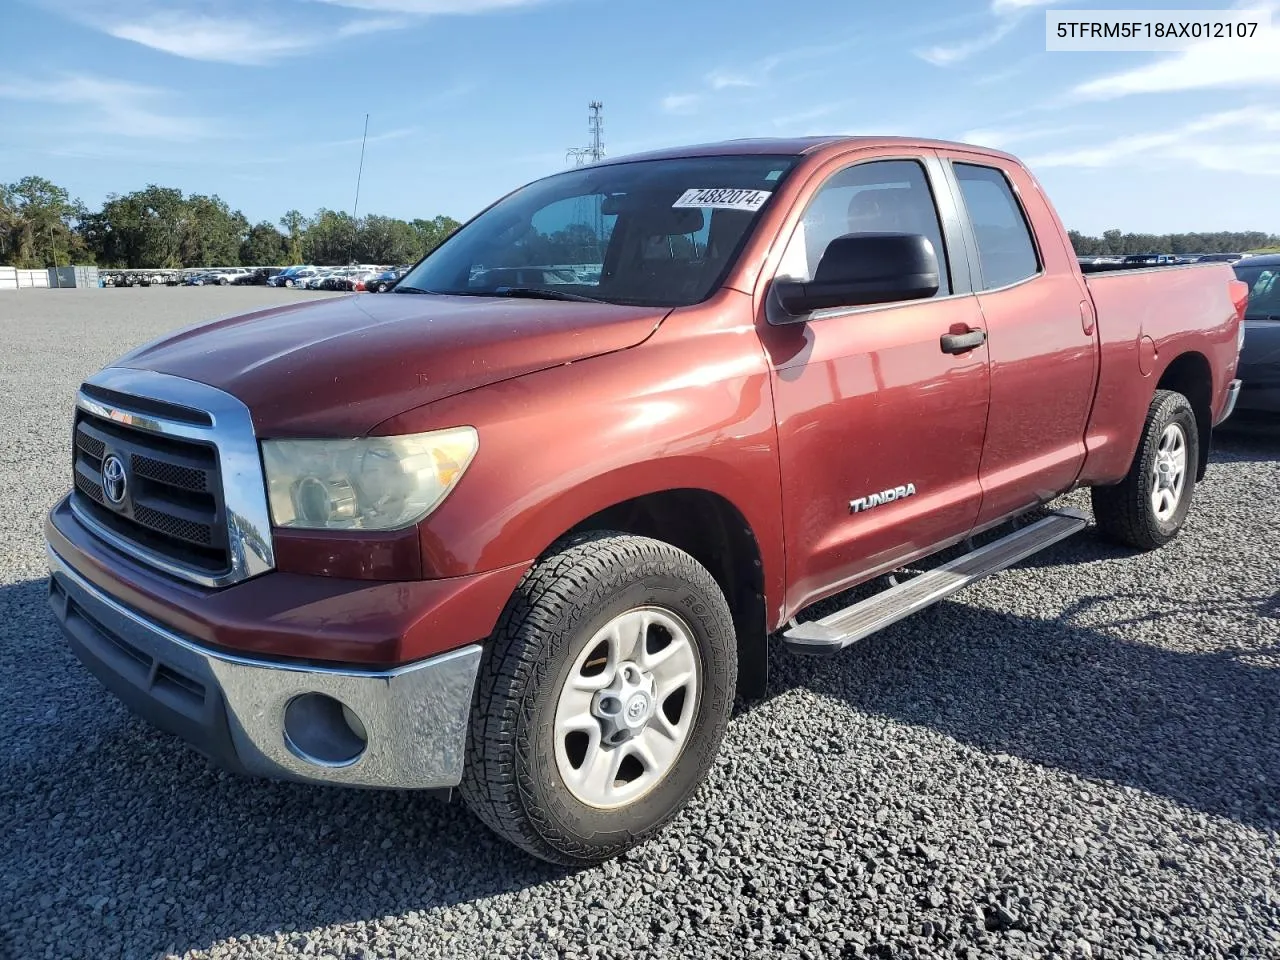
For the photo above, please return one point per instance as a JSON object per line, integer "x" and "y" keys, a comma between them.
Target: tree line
{"x": 41, "y": 225}
{"x": 1113, "y": 243}
{"x": 158, "y": 227}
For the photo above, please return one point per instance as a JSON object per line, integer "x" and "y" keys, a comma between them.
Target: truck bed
{"x": 1088, "y": 268}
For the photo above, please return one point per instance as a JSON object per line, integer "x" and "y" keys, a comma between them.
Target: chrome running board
{"x": 846, "y": 627}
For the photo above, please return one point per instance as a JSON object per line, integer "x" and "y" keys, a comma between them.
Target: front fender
{"x": 560, "y": 445}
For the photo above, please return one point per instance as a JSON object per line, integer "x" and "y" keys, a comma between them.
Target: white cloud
{"x": 1008, "y": 14}
{"x": 1003, "y": 139}
{"x": 680, "y": 102}
{"x": 1204, "y": 66}
{"x": 245, "y": 35}
{"x": 1014, "y": 6}
{"x": 722, "y": 80}
{"x": 240, "y": 40}
{"x": 432, "y": 7}
{"x": 943, "y": 55}
{"x": 804, "y": 117}
{"x": 758, "y": 75}
{"x": 114, "y": 107}
{"x": 1232, "y": 141}
{"x": 210, "y": 38}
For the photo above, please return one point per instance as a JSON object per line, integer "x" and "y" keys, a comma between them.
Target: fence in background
{"x": 12, "y": 278}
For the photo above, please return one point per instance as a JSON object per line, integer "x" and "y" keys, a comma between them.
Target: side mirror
{"x": 859, "y": 269}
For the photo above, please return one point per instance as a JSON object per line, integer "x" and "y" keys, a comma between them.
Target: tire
{"x": 515, "y": 779}
{"x": 1128, "y": 512}
{"x": 288, "y": 283}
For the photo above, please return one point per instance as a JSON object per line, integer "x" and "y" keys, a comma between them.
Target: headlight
{"x": 378, "y": 483}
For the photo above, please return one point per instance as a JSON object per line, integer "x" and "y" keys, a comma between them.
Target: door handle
{"x": 963, "y": 342}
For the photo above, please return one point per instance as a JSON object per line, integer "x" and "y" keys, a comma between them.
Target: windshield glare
{"x": 651, "y": 232}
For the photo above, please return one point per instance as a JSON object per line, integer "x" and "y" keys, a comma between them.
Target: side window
{"x": 1006, "y": 250}
{"x": 882, "y": 196}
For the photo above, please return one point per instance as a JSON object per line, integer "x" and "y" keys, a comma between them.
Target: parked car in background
{"x": 385, "y": 282}
{"x": 322, "y": 276}
{"x": 360, "y": 282}
{"x": 257, "y": 276}
{"x": 295, "y": 279}
{"x": 1217, "y": 257}
{"x": 354, "y": 281}
{"x": 1149, "y": 259}
{"x": 1260, "y": 355}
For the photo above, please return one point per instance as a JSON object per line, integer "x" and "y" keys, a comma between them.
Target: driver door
{"x": 880, "y": 431}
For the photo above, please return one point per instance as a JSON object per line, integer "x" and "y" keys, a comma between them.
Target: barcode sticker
{"x": 723, "y": 198}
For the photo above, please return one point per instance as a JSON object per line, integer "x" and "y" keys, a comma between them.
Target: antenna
{"x": 595, "y": 124}
{"x": 355, "y": 207}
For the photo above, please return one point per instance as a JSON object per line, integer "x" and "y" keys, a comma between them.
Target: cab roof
{"x": 801, "y": 146}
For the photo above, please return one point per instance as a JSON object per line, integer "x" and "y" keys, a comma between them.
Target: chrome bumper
{"x": 1233, "y": 394}
{"x": 400, "y": 728}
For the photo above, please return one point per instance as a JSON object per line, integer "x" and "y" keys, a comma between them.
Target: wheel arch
{"x": 711, "y": 529}
{"x": 1191, "y": 375}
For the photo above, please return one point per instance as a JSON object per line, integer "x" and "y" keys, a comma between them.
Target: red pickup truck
{"x": 526, "y": 527}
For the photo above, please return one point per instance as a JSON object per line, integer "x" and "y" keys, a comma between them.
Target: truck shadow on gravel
{"x": 136, "y": 837}
{"x": 1200, "y": 729}
{"x": 139, "y": 839}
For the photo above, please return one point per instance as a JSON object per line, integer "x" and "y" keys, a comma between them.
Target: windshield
{"x": 651, "y": 232}
{"x": 1264, "y": 291}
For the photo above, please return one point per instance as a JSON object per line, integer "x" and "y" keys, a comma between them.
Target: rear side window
{"x": 1005, "y": 248}
{"x": 880, "y": 196}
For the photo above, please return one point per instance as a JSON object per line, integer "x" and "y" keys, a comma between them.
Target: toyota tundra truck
{"x": 526, "y": 527}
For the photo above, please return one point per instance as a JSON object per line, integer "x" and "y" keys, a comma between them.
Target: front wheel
{"x": 602, "y": 698}
{"x": 1148, "y": 507}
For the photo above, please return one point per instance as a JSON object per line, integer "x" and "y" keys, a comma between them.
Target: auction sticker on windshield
{"x": 723, "y": 198}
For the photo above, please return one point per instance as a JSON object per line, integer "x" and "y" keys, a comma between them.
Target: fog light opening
{"x": 323, "y": 731}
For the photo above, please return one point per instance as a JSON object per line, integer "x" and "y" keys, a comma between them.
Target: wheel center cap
{"x": 638, "y": 709}
{"x": 626, "y": 705}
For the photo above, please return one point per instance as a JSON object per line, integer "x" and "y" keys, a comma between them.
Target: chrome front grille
{"x": 167, "y": 470}
{"x": 172, "y": 501}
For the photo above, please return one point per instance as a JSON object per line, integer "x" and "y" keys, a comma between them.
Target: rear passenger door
{"x": 1040, "y": 336}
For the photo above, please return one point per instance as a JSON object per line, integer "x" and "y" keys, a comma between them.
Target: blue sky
{"x": 262, "y": 101}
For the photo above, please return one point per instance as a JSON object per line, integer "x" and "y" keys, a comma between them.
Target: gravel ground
{"x": 1078, "y": 758}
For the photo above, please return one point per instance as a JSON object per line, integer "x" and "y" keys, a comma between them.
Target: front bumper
{"x": 401, "y": 728}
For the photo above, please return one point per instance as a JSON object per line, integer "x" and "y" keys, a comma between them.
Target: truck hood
{"x": 339, "y": 367}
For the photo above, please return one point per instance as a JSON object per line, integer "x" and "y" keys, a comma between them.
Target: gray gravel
{"x": 1078, "y": 758}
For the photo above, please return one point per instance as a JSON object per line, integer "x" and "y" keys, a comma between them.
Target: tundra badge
{"x": 884, "y": 496}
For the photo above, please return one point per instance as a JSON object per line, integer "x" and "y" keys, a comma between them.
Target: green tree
{"x": 140, "y": 229}
{"x": 212, "y": 233}
{"x": 387, "y": 240}
{"x": 295, "y": 225}
{"x": 433, "y": 232}
{"x": 330, "y": 237}
{"x": 265, "y": 246}
{"x": 38, "y": 224}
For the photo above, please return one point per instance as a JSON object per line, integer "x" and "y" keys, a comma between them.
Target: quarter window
{"x": 883, "y": 196}
{"x": 1006, "y": 251}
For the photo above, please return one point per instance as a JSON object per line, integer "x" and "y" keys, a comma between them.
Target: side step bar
{"x": 846, "y": 627}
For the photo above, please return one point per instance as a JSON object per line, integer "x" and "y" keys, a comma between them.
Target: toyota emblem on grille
{"x": 113, "y": 479}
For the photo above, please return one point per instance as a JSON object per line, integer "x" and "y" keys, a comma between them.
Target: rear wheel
{"x": 1149, "y": 506}
{"x": 602, "y": 699}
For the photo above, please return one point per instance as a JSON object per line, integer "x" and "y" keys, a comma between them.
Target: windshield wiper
{"x": 538, "y": 293}
{"x": 400, "y": 289}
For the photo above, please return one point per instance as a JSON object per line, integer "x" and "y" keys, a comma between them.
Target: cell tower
{"x": 595, "y": 124}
